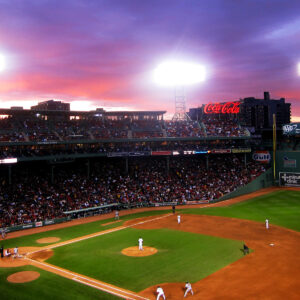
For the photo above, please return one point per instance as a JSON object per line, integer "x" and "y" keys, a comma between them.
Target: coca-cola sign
{"x": 222, "y": 108}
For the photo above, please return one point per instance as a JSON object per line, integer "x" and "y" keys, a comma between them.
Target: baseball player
{"x": 173, "y": 209}
{"x": 117, "y": 215}
{"x": 188, "y": 287}
{"x": 178, "y": 219}
{"x": 267, "y": 224}
{"x": 245, "y": 249}
{"x": 16, "y": 252}
{"x": 141, "y": 244}
{"x": 3, "y": 233}
{"x": 7, "y": 253}
{"x": 160, "y": 292}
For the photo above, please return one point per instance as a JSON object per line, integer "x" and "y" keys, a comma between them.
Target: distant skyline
{"x": 100, "y": 53}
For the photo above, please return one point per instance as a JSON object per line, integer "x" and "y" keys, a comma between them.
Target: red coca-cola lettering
{"x": 224, "y": 108}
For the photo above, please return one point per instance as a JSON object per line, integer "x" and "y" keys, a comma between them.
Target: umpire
{"x": 173, "y": 209}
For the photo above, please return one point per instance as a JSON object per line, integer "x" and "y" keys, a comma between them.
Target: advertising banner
{"x": 161, "y": 152}
{"x": 49, "y": 222}
{"x": 248, "y": 150}
{"x": 38, "y": 224}
{"x": 27, "y": 226}
{"x": 291, "y": 129}
{"x": 289, "y": 163}
{"x": 197, "y": 202}
{"x": 289, "y": 179}
{"x": 262, "y": 156}
{"x": 222, "y": 108}
{"x": 125, "y": 154}
{"x": 220, "y": 151}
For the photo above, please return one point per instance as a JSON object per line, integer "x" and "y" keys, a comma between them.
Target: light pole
{"x": 178, "y": 75}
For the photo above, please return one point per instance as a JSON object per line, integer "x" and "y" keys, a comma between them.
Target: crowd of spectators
{"x": 106, "y": 148}
{"x": 184, "y": 129}
{"x": 223, "y": 127}
{"x": 38, "y": 130}
{"x": 34, "y": 196}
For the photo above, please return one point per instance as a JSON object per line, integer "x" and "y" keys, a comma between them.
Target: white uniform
{"x": 188, "y": 287}
{"x": 16, "y": 254}
{"x": 160, "y": 292}
{"x": 140, "y": 244}
{"x": 3, "y": 233}
{"x": 178, "y": 219}
{"x": 267, "y": 223}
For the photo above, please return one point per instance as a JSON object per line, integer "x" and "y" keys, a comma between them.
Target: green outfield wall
{"x": 263, "y": 181}
{"x": 287, "y": 161}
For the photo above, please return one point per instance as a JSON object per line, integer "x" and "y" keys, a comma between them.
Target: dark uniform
{"x": 173, "y": 208}
{"x": 246, "y": 249}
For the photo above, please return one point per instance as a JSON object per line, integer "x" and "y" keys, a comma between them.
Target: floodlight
{"x": 299, "y": 68}
{"x": 173, "y": 73}
{"x": 2, "y": 62}
{"x": 11, "y": 160}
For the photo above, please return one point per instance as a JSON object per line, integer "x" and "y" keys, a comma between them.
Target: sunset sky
{"x": 102, "y": 53}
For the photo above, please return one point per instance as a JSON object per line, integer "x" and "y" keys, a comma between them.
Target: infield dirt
{"x": 24, "y": 276}
{"x": 269, "y": 272}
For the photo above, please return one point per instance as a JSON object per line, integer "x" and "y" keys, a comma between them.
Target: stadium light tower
{"x": 179, "y": 75}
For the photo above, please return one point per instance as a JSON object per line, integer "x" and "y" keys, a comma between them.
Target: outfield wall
{"x": 287, "y": 161}
{"x": 263, "y": 181}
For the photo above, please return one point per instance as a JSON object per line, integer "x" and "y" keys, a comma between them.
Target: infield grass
{"x": 181, "y": 257}
{"x": 75, "y": 231}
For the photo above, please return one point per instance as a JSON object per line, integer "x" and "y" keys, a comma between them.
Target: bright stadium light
{"x": 2, "y": 62}
{"x": 298, "y": 69}
{"x": 174, "y": 73}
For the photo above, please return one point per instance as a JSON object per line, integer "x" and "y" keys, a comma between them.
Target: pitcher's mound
{"x": 48, "y": 240}
{"x": 25, "y": 276}
{"x": 134, "y": 251}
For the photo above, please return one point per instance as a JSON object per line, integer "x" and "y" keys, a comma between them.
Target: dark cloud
{"x": 105, "y": 49}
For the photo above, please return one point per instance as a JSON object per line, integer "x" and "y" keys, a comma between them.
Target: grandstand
{"x": 76, "y": 163}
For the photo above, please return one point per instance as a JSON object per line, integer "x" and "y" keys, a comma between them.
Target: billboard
{"x": 289, "y": 179}
{"x": 262, "y": 156}
{"x": 222, "y": 108}
{"x": 291, "y": 129}
{"x": 289, "y": 163}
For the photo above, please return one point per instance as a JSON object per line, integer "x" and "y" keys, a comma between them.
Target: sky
{"x": 102, "y": 53}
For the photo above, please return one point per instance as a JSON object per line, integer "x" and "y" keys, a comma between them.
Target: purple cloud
{"x": 104, "y": 51}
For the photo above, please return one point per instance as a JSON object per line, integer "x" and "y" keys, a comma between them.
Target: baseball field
{"x": 98, "y": 257}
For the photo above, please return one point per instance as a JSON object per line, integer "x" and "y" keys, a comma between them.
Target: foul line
{"x": 102, "y": 286}
{"x": 101, "y": 289}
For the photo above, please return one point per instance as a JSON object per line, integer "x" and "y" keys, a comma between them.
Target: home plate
{"x": 272, "y": 244}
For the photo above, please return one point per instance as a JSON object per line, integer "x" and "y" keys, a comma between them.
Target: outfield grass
{"x": 47, "y": 287}
{"x": 281, "y": 208}
{"x": 181, "y": 257}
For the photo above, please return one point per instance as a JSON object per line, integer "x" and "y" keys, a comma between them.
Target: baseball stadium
{"x": 80, "y": 189}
